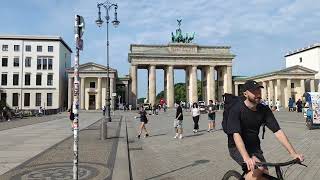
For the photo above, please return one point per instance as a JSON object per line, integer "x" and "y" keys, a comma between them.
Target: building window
{"x": 4, "y": 47}
{"x": 28, "y": 48}
{"x": 16, "y": 62}
{"x": 4, "y": 62}
{"x": 39, "y": 63}
{"x": 4, "y": 79}
{"x": 3, "y": 97}
{"x": 38, "y": 99}
{"x": 15, "y": 79}
{"x": 292, "y": 85}
{"x": 15, "y": 99}
{"x": 49, "y": 99}
{"x": 28, "y": 62}
{"x": 16, "y": 48}
{"x": 38, "y": 79}
{"x": 50, "y": 48}
{"x": 49, "y": 63}
{"x": 92, "y": 85}
{"x": 27, "y": 79}
{"x": 300, "y": 59}
{"x": 39, "y": 48}
{"x": 26, "y": 99}
{"x": 44, "y": 63}
{"x": 49, "y": 79}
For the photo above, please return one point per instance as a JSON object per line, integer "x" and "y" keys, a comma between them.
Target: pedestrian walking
{"x": 290, "y": 104}
{"x": 211, "y": 116}
{"x": 71, "y": 117}
{"x": 299, "y": 105}
{"x": 143, "y": 122}
{"x": 195, "y": 112}
{"x": 178, "y": 122}
{"x": 164, "y": 107}
{"x": 278, "y": 104}
{"x": 104, "y": 110}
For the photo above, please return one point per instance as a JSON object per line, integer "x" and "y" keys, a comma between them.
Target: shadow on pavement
{"x": 158, "y": 135}
{"x": 203, "y": 161}
{"x": 193, "y": 135}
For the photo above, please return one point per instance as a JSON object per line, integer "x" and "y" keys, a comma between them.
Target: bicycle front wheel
{"x": 232, "y": 175}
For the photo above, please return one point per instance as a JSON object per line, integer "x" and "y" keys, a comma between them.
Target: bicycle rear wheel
{"x": 232, "y": 175}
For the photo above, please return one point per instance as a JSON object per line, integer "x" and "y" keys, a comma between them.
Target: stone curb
{"x": 122, "y": 168}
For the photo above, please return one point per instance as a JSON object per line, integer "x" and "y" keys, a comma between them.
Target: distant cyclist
{"x": 244, "y": 121}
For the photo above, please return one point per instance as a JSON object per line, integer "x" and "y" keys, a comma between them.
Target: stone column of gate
{"x": 229, "y": 79}
{"x": 99, "y": 94}
{"x": 152, "y": 84}
{"x": 264, "y": 90}
{"x": 312, "y": 89}
{"x": 187, "y": 83}
{"x": 302, "y": 88}
{"x": 170, "y": 86}
{"x": 236, "y": 88}
{"x": 271, "y": 97}
{"x": 203, "y": 84}
{"x": 82, "y": 93}
{"x": 211, "y": 93}
{"x": 165, "y": 83}
{"x": 193, "y": 84}
{"x": 279, "y": 90}
{"x": 134, "y": 81}
{"x": 70, "y": 92}
{"x": 112, "y": 90}
{"x": 287, "y": 93}
{"x": 225, "y": 79}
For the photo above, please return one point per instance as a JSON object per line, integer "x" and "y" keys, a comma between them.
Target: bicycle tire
{"x": 232, "y": 173}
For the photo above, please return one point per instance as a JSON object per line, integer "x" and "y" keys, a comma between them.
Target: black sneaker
{"x": 138, "y": 136}
{"x": 147, "y": 135}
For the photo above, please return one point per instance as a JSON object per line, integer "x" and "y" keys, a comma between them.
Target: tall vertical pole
{"x": 75, "y": 106}
{"x": 108, "y": 82}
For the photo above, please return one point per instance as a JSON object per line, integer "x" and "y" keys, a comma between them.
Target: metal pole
{"x": 108, "y": 81}
{"x": 76, "y": 102}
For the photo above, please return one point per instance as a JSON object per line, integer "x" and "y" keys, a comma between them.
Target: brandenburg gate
{"x": 215, "y": 63}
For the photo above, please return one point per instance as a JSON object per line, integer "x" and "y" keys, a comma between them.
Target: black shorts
{"x": 235, "y": 155}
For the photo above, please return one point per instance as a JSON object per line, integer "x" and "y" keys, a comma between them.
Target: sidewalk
{"x": 98, "y": 159}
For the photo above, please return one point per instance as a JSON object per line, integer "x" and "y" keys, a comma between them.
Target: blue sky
{"x": 259, "y": 32}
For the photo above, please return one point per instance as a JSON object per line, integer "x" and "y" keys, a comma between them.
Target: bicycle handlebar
{"x": 295, "y": 161}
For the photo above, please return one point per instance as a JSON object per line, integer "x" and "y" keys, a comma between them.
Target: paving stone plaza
{"x": 46, "y": 153}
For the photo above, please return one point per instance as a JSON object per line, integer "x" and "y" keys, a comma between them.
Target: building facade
{"x": 215, "y": 63}
{"x": 287, "y": 83}
{"x": 93, "y": 86}
{"x": 308, "y": 57}
{"x": 33, "y": 73}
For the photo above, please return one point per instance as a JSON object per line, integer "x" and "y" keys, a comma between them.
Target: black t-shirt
{"x": 179, "y": 110}
{"x": 143, "y": 115}
{"x": 247, "y": 123}
{"x": 211, "y": 109}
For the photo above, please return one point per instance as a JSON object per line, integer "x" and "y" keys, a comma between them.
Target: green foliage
{"x": 180, "y": 93}
{"x": 141, "y": 100}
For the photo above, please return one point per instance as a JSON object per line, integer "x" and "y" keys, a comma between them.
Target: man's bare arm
{"x": 242, "y": 149}
{"x": 283, "y": 139}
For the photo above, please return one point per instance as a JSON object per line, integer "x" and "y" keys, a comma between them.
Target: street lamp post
{"x": 107, "y": 6}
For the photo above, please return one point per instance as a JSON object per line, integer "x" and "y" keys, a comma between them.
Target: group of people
{"x": 178, "y": 121}
{"x": 269, "y": 103}
{"x": 245, "y": 117}
{"x": 295, "y": 106}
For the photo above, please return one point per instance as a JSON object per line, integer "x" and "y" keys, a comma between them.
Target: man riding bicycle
{"x": 244, "y": 121}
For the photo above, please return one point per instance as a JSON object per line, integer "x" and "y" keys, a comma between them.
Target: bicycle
{"x": 232, "y": 174}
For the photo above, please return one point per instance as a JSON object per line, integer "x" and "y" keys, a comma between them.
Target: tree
{"x": 141, "y": 100}
{"x": 180, "y": 92}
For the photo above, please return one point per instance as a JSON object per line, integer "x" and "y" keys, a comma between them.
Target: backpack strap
{"x": 263, "y": 130}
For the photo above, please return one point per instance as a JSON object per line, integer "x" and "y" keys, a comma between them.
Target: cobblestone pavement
{"x": 204, "y": 156}
{"x": 25, "y": 149}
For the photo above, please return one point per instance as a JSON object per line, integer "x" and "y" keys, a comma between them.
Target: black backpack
{"x": 229, "y": 101}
